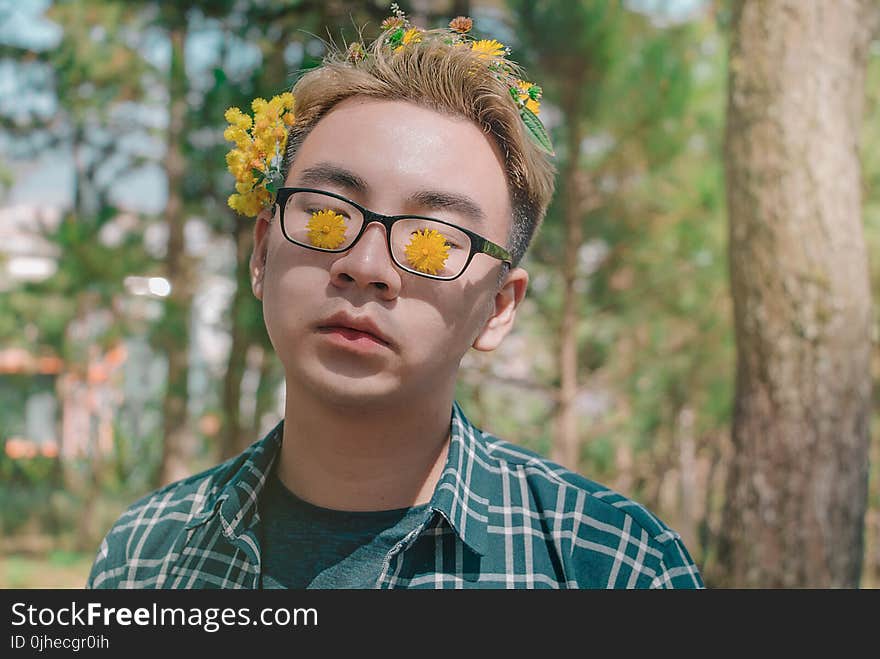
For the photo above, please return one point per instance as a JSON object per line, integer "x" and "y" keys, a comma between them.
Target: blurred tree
{"x": 871, "y": 189}
{"x": 578, "y": 58}
{"x": 621, "y": 119}
{"x": 797, "y": 485}
{"x": 173, "y": 334}
{"x": 75, "y": 313}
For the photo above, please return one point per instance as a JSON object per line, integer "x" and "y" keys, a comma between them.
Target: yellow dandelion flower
{"x": 427, "y": 251}
{"x": 525, "y": 97}
{"x": 412, "y": 35}
{"x": 326, "y": 229}
{"x": 488, "y": 48}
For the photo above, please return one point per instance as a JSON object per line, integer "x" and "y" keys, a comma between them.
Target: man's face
{"x": 394, "y": 158}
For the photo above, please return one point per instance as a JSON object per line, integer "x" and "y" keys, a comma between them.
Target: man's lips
{"x": 354, "y": 328}
{"x": 351, "y": 334}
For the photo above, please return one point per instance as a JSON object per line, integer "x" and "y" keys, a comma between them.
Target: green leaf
{"x": 537, "y": 131}
{"x": 396, "y": 37}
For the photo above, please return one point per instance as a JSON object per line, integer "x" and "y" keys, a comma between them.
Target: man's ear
{"x": 260, "y": 251}
{"x": 500, "y": 321}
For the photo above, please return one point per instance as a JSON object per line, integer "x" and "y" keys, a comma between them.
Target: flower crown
{"x": 257, "y": 157}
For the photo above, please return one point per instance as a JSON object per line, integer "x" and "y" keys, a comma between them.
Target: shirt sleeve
{"x": 677, "y": 568}
{"x": 109, "y": 564}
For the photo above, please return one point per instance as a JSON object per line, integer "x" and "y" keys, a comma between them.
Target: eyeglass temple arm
{"x": 497, "y": 251}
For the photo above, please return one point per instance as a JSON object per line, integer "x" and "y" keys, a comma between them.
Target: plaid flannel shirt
{"x": 500, "y": 517}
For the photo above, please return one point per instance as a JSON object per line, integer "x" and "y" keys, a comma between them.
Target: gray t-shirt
{"x": 306, "y": 546}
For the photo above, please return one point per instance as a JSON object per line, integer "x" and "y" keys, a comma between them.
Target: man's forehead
{"x": 403, "y": 152}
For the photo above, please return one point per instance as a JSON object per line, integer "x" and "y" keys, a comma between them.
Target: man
{"x": 415, "y": 176}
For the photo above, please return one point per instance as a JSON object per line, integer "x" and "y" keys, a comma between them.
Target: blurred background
{"x": 700, "y": 328}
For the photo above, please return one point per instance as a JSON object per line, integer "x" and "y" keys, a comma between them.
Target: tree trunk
{"x": 230, "y": 435}
{"x": 687, "y": 467}
{"x": 267, "y": 389}
{"x": 796, "y": 490}
{"x": 566, "y": 443}
{"x": 177, "y": 436}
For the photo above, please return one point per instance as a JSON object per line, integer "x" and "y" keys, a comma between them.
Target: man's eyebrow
{"x": 436, "y": 199}
{"x": 327, "y": 173}
{"x": 324, "y": 173}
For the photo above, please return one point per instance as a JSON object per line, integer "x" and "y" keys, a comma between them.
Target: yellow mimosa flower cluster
{"x": 255, "y": 162}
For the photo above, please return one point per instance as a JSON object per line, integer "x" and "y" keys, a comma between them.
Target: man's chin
{"x": 345, "y": 391}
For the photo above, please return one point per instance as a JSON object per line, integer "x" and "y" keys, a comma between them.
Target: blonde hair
{"x": 447, "y": 78}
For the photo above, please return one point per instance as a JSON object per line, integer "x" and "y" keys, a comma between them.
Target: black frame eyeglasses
{"x": 478, "y": 244}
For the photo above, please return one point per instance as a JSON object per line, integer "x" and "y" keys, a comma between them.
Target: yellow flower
{"x": 238, "y": 118}
{"x": 523, "y": 88}
{"x": 427, "y": 251}
{"x": 248, "y": 204}
{"x": 326, "y": 229}
{"x": 488, "y": 48}
{"x": 259, "y": 143}
{"x": 412, "y": 35}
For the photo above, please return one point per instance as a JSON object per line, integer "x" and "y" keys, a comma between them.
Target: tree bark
{"x": 566, "y": 443}
{"x": 175, "y": 330}
{"x": 230, "y": 435}
{"x": 797, "y": 485}
{"x": 267, "y": 390}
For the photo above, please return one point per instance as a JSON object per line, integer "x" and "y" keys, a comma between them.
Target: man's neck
{"x": 364, "y": 459}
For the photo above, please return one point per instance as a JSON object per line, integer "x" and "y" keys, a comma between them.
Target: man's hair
{"x": 445, "y": 78}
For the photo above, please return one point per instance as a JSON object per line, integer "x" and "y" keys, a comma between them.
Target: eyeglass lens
{"x": 321, "y": 221}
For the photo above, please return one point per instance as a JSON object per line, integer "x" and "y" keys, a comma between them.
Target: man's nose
{"x": 368, "y": 264}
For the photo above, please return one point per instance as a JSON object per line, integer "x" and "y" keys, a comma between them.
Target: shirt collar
{"x": 239, "y": 484}
{"x": 461, "y": 494}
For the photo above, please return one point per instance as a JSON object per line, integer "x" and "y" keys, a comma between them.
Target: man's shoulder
{"x": 148, "y": 529}
{"x": 175, "y": 502}
{"x": 595, "y": 521}
{"x": 554, "y": 482}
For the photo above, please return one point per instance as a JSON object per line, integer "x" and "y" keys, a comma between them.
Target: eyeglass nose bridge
{"x": 369, "y": 217}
